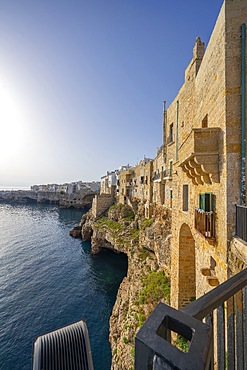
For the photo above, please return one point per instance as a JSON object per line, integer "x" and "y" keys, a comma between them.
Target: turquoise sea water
{"x": 48, "y": 280}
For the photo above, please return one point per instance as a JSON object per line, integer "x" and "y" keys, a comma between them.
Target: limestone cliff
{"x": 146, "y": 243}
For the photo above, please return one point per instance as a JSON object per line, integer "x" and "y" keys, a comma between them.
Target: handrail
{"x": 204, "y": 305}
{"x": 220, "y": 338}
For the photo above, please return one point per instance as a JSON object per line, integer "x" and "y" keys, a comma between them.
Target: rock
{"x": 75, "y": 232}
{"x": 119, "y": 232}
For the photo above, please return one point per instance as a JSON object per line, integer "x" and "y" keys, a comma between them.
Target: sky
{"x": 82, "y": 82}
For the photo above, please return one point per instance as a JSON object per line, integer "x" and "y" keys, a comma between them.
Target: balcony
{"x": 205, "y": 223}
{"x": 241, "y": 222}
{"x": 157, "y": 177}
{"x": 213, "y": 328}
{"x": 167, "y": 174}
{"x": 199, "y": 155}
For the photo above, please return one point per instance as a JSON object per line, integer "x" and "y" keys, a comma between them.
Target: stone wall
{"x": 101, "y": 203}
{"x": 204, "y": 151}
{"x": 237, "y": 256}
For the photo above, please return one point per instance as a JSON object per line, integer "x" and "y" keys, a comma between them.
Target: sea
{"x": 49, "y": 279}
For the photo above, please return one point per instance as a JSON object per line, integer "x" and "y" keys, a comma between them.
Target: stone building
{"x": 203, "y": 177}
{"x": 199, "y": 172}
{"x": 135, "y": 183}
{"x": 108, "y": 183}
{"x": 158, "y": 176}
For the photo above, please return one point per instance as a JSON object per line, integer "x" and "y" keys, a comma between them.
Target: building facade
{"x": 199, "y": 172}
{"x": 203, "y": 130}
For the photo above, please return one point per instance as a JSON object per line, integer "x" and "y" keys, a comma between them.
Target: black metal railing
{"x": 205, "y": 223}
{"x": 215, "y": 327}
{"x": 241, "y": 222}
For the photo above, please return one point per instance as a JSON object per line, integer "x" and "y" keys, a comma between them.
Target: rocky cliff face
{"x": 146, "y": 243}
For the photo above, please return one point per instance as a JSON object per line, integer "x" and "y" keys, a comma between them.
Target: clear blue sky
{"x": 82, "y": 82}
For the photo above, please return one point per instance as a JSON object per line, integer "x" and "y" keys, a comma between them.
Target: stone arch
{"x": 187, "y": 268}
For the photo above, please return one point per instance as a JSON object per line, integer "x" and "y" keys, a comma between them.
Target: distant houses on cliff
{"x": 68, "y": 188}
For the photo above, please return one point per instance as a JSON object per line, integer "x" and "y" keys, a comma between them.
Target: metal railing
{"x": 241, "y": 222}
{"x": 215, "y": 327}
{"x": 205, "y": 223}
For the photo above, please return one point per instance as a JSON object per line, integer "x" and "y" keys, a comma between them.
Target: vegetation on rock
{"x": 146, "y": 284}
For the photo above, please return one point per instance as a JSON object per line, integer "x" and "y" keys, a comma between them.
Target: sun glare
{"x": 11, "y": 126}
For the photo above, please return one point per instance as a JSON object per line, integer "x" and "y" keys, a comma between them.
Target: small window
{"x": 185, "y": 197}
{"x": 170, "y": 168}
{"x": 170, "y": 138}
{"x": 206, "y": 202}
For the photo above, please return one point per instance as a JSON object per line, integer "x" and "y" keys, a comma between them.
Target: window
{"x": 171, "y": 198}
{"x": 170, "y": 138}
{"x": 185, "y": 197}
{"x": 170, "y": 168}
{"x": 206, "y": 202}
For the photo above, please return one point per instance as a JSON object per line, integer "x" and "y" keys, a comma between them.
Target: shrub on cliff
{"x": 155, "y": 287}
{"x": 121, "y": 211}
{"x": 127, "y": 213}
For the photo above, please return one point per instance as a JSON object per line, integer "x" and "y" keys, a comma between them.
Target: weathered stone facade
{"x": 196, "y": 173}
{"x": 205, "y": 120}
{"x": 101, "y": 203}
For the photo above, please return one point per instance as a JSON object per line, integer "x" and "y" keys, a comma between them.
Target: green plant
{"x": 182, "y": 343}
{"x": 141, "y": 319}
{"x": 130, "y": 217}
{"x": 134, "y": 233}
{"x": 125, "y": 340}
{"x": 143, "y": 254}
{"x": 156, "y": 286}
{"x": 147, "y": 223}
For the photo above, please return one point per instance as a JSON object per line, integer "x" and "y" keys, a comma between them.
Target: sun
{"x": 11, "y": 125}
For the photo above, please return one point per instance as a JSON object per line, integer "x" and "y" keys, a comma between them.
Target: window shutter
{"x": 202, "y": 201}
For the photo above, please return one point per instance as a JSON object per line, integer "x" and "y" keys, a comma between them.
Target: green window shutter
{"x": 202, "y": 201}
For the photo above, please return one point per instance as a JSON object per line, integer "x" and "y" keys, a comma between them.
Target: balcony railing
{"x": 214, "y": 326}
{"x": 167, "y": 174}
{"x": 156, "y": 177}
{"x": 205, "y": 223}
{"x": 241, "y": 222}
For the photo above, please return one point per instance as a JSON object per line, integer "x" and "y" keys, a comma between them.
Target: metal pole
{"x": 243, "y": 115}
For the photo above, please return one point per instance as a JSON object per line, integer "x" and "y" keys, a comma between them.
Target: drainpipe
{"x": 164, "y": 128}
{"x": 243, "y": 114}
{"x": 177, "y": 132}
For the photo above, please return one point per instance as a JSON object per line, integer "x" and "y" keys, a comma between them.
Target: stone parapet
{"x": 101, "y": 203}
